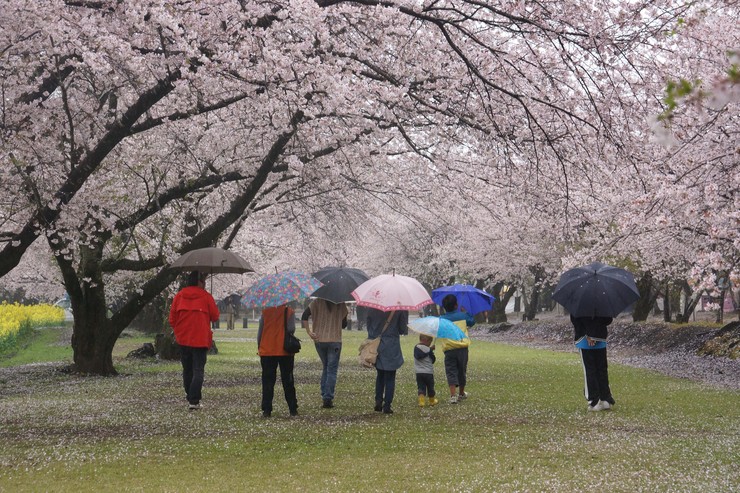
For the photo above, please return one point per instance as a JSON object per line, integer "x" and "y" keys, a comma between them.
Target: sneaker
{"x": 453, "y": 399}
{"x": 378, "y": 406}
{"x": 596, "y": 407}
{"x": 387, "y": 410}
{"x": 422, "y": 401}
{"x": 294, "y": 412}
{"x": 433, "y": 401}
{"x": 194, "y": 407}
{"x": 463, "y": 396}
{"x": 605, "y": 405}
{"x": 266, "y": 414}
{"x": 328, "y": 404}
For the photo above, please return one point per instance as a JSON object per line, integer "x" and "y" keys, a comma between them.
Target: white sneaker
{"x": 597, "y": 407}
{"x": 453, "y": 399}
{"x": 605, "y": 405}
{"x": 463, "y": 395}
{"x": 194, "y": 407}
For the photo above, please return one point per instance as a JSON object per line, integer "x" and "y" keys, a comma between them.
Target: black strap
{"x": 387, "y": 322}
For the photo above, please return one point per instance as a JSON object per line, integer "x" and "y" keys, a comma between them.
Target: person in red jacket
{"x": 270, "y": 340}
{"x": 193, "y": 309}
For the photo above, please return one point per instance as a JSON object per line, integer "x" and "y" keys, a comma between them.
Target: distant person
{"x": 456, "y": 352}
{"x": 229, "y": 314}
{"x": 193, "y": 309}
{"x": 590, "y": 339}
{"x": 328, "y": 321}
{"x": 389, "y": 326}
{"x": 424, "y": 360}
{"x": 270, "y": 340}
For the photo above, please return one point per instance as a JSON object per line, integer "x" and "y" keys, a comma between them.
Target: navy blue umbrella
{"x": 474, "y": 300}
{"x": 596, "y": 290}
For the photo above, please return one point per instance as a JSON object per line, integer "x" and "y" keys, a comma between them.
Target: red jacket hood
{"x": 193, "y": 309}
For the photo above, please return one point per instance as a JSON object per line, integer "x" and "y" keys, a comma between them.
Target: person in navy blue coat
{"x": 390, "y": 357}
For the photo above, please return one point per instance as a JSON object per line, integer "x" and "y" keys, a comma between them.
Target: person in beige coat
{"x": 328, "y": 320}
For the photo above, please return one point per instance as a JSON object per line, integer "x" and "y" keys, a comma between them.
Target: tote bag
{"x": 369, "y": 347}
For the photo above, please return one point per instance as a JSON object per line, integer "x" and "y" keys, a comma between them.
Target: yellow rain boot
{"x": 421, "y": 401}
{"x": 433, "y": 401}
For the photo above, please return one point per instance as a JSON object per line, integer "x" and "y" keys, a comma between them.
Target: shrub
{"x": 17, "y": 321}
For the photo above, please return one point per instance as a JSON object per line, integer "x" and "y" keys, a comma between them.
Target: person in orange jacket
{"x": 193, "y": 309}
{"x": 274, "y": 322}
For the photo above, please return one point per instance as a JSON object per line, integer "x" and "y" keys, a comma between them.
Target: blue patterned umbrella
{"x": 280, "y": 288}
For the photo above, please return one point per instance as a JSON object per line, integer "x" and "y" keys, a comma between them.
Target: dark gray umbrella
{"x": 212, "y": 260}
{"x": 338, "y": 282}
{"x": 596, "y": 290}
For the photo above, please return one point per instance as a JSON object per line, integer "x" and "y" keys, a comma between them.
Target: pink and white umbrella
{"x": 389, "y": 292}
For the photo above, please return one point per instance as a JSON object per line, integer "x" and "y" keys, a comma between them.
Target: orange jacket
{"x": 272, "y": 332}
{"x": 191, "y": 314}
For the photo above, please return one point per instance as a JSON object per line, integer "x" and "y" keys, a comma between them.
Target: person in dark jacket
{"x": 193, "y": 309}
{"x": 590, "y": 339}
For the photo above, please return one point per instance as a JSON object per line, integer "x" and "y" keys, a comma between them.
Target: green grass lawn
{"x": 525, "y": 428}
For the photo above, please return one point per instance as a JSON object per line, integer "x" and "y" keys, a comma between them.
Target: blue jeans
{"x": 193, "y": 361}
{"x": 329, "y": 353}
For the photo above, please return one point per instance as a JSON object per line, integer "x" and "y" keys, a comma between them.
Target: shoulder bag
{"x": 291, "y": 343}
{"x": 369, "y": 347}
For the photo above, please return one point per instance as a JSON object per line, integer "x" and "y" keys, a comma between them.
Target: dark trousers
{"x": 193, "y": 361}
{"x": 270, "y": 365}
{"x": 456, "y": 366}
{"x": 425, "y": 384}
{"x": 385, "y": 387}
{"x": 596, "y": 375}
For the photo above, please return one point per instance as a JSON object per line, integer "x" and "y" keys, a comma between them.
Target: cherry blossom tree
{"x": 134, "y": 132}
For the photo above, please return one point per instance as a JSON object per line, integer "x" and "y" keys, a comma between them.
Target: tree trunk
{"x": 166, "y": 347}
{"x": 530, "y": 312}
{"x": 93, "y": 335}
{"x": 648, "y": 295}
{"x": 92, "y": 345}
{"x": 531, "y": 308}
{"x": 721, "y": 311}
{"x": 153, "y": 317}
{"x": 498, "y": 314}
{"x": 692, "y": 300}
{"x": 667, "y": 302}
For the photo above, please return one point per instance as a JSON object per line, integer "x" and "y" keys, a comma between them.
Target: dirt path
{"x": 652, "y": 345}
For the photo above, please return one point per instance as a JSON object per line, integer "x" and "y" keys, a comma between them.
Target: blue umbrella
{"x": 474, "y": 300}
{"x": 596, "y": 290}
{"x": 437, "y": 327}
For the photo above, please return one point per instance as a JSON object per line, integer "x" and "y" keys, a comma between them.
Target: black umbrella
{"x": 338, "y": 282}
{"x": 596, "y": 290}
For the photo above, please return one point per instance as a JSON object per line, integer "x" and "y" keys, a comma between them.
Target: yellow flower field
{"x": 14, "y": 316}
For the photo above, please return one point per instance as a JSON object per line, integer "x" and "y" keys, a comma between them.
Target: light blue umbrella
{"x": 437, "y": 327}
